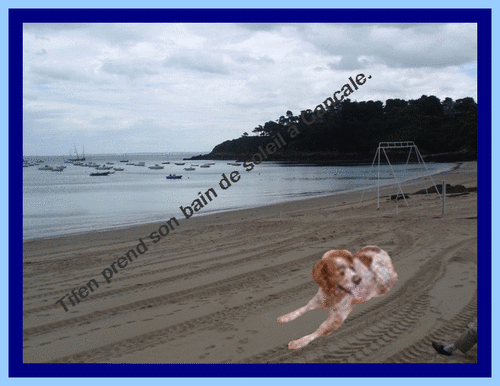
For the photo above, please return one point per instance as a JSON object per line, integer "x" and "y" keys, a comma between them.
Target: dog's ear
{"x": 319, "y": 274}
{"x": 365, "y": 258}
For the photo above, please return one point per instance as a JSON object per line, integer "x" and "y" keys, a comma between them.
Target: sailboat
{"x": 78, "y": 158}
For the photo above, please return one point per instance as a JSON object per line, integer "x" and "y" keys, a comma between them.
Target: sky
{"x": 132, "y": 88}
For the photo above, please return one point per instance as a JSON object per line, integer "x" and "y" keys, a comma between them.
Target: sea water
{"x": 72, "y": 201}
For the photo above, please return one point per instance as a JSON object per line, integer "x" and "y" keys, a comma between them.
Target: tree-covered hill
{"x": 351, "y": 131}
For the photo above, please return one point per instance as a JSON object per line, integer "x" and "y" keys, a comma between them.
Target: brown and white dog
{"x": 345, "y": 280}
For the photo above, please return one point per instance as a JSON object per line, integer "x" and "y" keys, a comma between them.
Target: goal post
{"x": 383, "y": 147}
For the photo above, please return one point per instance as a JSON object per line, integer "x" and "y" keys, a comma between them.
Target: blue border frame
{"x": 19, "y": 16}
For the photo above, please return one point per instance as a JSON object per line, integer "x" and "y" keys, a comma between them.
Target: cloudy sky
{"x": 124, "y": 88}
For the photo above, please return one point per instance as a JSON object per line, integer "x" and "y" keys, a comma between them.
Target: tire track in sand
{"x": 448, "y": 331}
{"x": 385, "y": 321}
{"x": 364, "y": 337}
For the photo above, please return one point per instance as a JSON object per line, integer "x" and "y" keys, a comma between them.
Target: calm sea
{"x": 72, "y": 201}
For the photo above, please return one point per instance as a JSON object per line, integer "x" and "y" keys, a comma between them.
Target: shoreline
{"x": 327, "y": 158}
{"x": 210, "y": 291}
{"x": 346, "y": 193}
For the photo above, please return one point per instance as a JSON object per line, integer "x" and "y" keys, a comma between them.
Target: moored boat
{"x": 78, "y": 158}
{"x": 173, "y": 177}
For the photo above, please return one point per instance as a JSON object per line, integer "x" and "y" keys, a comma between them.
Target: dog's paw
{"x": 295, "y": 344}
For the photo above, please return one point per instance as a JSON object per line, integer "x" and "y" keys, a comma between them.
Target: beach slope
{"x": 211, "y": 290}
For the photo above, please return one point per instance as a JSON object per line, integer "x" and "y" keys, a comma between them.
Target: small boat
{"x": 58, "y": 168}
{"x": 45, "y": 167}
{"x": 179, "y": 163}
{"x": 109, "y": 163}
{"x": 234, "y": 163}
{"x": 165, "y": 163}
{"x": 173, "y": 177}
{"x": 130, "y": 163}
{"x": 78, "y": 158}
{"x": 126, "y": 160}
{"x": 118, "y": 169}
{"x": 100, "y": 173}
{"x": 205, "y": 166}
{"x": 104, "y": 167}
{"x": 140, "y": 164}
{"x": 194, "y": 165}
{"x": 156, "y": 167}
{"x": 189, "y": 169}
{"x": 27, "y": 163}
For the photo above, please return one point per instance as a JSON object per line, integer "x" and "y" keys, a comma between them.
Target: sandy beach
{"x": 211, "y": 290}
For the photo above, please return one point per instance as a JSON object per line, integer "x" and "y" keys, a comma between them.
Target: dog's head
{"x": 335, "y": 273}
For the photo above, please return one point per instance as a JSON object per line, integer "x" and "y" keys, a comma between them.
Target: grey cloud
{"x": 260, "y": 26}
{"x": 131, "y": 71}
{"x": 102, "y": 120}
{"x": 29, "y": 97}
{"x": 198, "y": 61}
{"x": 427, "y": 59}
{"x": 121, "y": 34}
{"x": 45, "y": 75}
{"x": 116, "y": 34}
{"x": 44, "y": 115}
{"x": 396, "y": 45}
{"x": 348, "y": 62}
{"x": 246, "y": 59}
